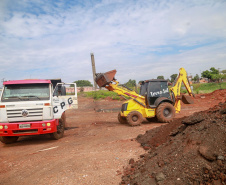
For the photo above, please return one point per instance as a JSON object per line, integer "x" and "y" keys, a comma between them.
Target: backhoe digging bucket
{"x": 103, "y": 79}
{"x": 187, "y": 99}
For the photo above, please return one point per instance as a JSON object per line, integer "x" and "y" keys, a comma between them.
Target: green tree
{"x": 173, "y": 77}
{"x": 217, "y": 77}
{"x": 214, "y": 71}
{"x": 206, "y": 74}
{"x": 160, "y": 77}
{"x": 83, "y": 83}
{"x": 196, "y": 78}
{"x": 223, "y": 71}
{"x": 210, "y": 74}
{"x": 131, "y": 83}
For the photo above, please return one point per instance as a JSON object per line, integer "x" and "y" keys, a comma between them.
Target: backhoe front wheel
{"x": 121, "y": 119}
{"x": 134, "y": 118}
{"x": 165, "y": 112}
{"x": 8, "y": 139}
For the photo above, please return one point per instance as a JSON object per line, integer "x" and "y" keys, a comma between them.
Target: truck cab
{"x": 33, "y": 107}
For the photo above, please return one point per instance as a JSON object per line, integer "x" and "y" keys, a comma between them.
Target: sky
{"x": 140, "y": 39}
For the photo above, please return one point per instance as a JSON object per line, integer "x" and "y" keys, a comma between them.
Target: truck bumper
{"x": 28, "y": 128}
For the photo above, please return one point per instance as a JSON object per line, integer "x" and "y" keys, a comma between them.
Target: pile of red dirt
{"x": 188, "y": 151}
{"x": 217, "y": 95}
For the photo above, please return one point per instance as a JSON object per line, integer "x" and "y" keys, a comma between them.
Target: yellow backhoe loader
{"x": 156, "y": 99}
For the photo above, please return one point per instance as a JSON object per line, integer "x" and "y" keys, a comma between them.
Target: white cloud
{"x": 141, "y": 39}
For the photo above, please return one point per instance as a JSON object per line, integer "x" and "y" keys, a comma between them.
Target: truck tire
{"x": 134, "y": 118}
{"x": 60, "y": 130}
{"x": 165, "y": 112}
{"x": 63, "y": 117}
{"x": 8, "y": 139}
{"x": 121, "y": 119}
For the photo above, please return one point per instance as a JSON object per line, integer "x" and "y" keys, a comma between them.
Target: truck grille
{"x": 33, "y": 114}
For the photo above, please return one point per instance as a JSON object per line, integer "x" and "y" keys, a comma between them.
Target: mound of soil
{"x": 188, "y": 151}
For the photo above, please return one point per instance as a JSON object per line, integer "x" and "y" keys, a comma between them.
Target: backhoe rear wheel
{"x": 165, "y": 112}
{"x": 8, "y": 139}
{"x": 134, "y": 118}
{"x": 121, "y": 119}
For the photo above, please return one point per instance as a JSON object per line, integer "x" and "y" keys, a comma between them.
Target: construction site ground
{"x": 96, "y": 149}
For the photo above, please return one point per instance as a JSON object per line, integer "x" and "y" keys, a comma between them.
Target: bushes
{"x": 208, "y": 87}
{"x": 204, "y": 87}
{"x": 102, "y": 94}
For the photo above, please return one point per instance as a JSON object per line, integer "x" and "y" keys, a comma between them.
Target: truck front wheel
{"x": 165, "y": 112}
{"x": 8, "y": 139}
{"x": 60, "y": 131}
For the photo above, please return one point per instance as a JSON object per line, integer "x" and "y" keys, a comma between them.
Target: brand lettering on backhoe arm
{"x": 159, "y": 92}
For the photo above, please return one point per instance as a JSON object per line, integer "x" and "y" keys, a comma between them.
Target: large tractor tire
{"x": 8, "y": 139}
{"x": 134, "y": 118}
{"x": 60, "y": 130}
{"x": 121, "y": 119}
{"x": 165, "y": 112}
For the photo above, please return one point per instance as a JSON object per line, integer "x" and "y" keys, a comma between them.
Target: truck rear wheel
{"x": 165, "y": 112}
{"x": 134, "y": 118}
{"x": 8, "y": 139}
{"x": 60, "y": 130}
{"x": 121, "y": 119}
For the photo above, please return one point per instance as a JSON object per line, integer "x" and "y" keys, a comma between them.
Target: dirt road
{"x": 94, "y": 149}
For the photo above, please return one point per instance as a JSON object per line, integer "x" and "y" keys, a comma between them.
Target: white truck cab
{"x": 33, "y": 107}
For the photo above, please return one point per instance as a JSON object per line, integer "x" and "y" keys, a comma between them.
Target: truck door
{"x": 64, "y": 97}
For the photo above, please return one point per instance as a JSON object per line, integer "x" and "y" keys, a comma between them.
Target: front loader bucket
{"x": 103, "y": 79}
{"x": 187, "y": 99}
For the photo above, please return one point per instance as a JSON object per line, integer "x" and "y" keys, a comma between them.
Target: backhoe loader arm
{"x": 108, "y": 81}
{"x": 113, "y": 86}
{"x": 182, "y": 77}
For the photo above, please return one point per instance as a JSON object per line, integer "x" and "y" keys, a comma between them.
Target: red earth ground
{"x": 95, "y": 149}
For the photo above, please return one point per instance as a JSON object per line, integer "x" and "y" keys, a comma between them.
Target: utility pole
{"x": 94, "y": 70}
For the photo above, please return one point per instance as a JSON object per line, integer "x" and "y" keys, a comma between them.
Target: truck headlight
{"x": 1, "y": 127}
{"x": 5, "y": 127}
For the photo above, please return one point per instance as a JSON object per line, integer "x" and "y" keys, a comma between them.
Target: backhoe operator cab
{"x": 33, "y": 107}
{"x": 155, "y": 91}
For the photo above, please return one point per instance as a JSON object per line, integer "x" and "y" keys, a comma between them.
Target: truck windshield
{"x": 26, "y": 92}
